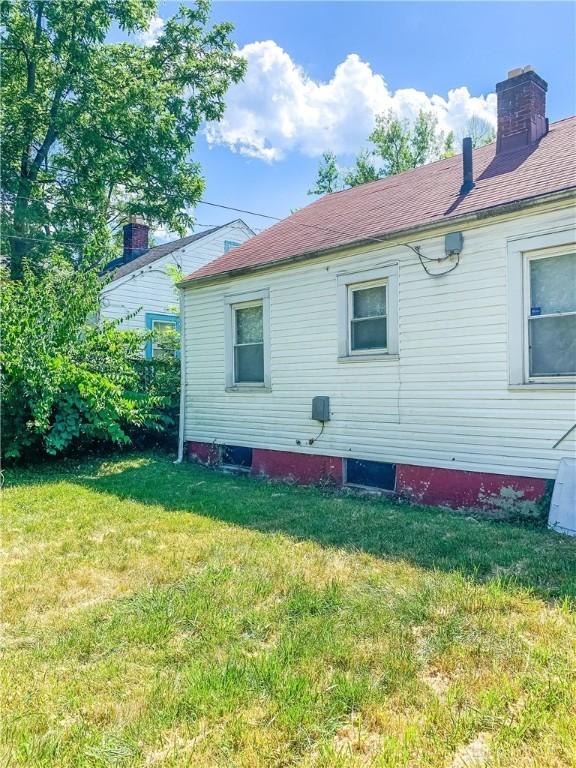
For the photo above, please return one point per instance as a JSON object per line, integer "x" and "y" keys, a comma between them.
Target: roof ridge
{"x": 119, "y": 268}
{"x": 427, "y": 165}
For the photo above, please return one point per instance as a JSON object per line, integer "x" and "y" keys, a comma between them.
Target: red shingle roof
{"x": 425, "y": 195}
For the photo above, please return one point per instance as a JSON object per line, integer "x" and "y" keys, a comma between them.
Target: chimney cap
{"x": 520, "y": 71}
{"x": 135, "y": 218}
{"x": 520, "y": 75}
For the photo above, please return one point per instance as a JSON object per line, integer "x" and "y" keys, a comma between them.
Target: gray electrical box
{"x": 453, "y": 243}
{"x": 321, "y": 408}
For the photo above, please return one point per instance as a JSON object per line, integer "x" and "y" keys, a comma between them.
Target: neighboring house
{"x": 436, "y": 311}
{"x": 142, "y": 289}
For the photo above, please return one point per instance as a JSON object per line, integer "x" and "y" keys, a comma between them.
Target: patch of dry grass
{"x": 161, "y": 615}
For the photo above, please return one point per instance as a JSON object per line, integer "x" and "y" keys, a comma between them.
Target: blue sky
{"x": 406, "y": 52}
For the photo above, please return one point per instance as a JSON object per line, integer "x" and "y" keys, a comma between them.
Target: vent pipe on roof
{"x": 468, "y": 180}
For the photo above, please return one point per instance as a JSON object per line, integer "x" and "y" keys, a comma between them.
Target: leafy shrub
{"x": 68, "y": 381}
{"x": 160, "y": 378}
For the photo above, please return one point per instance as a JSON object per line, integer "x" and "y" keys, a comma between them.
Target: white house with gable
{"x": 142, "y": 288}
{"x": 415, "y": 334}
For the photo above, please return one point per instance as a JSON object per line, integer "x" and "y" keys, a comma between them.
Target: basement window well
{"x": 371, "y": 474}
{"x": 236, "y": 456}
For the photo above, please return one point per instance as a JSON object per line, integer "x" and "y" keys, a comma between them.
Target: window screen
{"x": 368, "y": 318}
{"x": 552, "y": 318}
{"x": 249, "y": 344}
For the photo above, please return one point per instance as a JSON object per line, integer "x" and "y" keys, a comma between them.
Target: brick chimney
{"x": 521, "y": 109}
{"x": 135, "y": 238}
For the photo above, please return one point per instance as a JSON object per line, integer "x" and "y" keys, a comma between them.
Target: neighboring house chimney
{"x": 135, "y": 238}
{"x": 521, "y": 109}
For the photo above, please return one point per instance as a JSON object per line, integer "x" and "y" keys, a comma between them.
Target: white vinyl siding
{"x": 443, "y": 399}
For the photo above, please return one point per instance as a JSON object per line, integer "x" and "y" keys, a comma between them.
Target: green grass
{"x": 164, "y": 615}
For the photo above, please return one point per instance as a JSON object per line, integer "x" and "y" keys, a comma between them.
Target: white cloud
{"x": 277, "y": 109}
{"x": 150, "y": 35}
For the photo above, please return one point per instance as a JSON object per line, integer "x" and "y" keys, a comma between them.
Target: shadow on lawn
{"x": 537, "y": 559}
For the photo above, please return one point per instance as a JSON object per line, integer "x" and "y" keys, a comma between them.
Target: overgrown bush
{"x": 68, "y": 380}
{"x": 160, "y": 378}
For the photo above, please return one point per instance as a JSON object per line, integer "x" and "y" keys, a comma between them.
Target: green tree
{"x": 396, "y": 147}
{"x": 364, "y": 170}
{"x": 66, "y": 380}
{"x": 92, "y": 130}
{"x": 449, "y": 149}
{"x": 401, "y": 147}
{"x": 328, "y": 178}
{"x": 479, "y": 130}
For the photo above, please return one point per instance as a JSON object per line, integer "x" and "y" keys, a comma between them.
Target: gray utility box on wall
{"x": 453, "y": 243}
{"x": 321, "y": 408}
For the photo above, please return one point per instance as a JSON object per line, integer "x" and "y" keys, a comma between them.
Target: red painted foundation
{"x": 423, "y": 485}
{"x": 204, "y": 453}
{"x": 304, "y": 468}
{"x": 457, "y": 488}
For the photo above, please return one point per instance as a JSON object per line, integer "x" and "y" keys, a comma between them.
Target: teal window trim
{"x": 151, "y": 317}
{"x": 229, "y": 244}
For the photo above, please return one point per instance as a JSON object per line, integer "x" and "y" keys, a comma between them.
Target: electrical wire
{"x": 416, "y": 249}
{"x": 312, "y": 440}
{"x": 423, "y": 259}
{"x": 318, "y": 227}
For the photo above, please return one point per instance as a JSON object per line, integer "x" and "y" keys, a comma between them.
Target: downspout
{"x": 181, "y": 424}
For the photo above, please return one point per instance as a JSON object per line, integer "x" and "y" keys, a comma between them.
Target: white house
{"x": 142, "y": 288}
{"x": 433, "y": 313}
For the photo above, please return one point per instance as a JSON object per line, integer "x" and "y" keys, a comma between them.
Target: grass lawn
{"x": 164, "y": 615}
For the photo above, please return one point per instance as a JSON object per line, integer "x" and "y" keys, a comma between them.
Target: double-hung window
{"x": 367, "y": 317}
{"x": 247, "y": 341}
{"x": 550, "y": 282}
{"x": 368, "y": 313}
{"x": 542, "y": 309}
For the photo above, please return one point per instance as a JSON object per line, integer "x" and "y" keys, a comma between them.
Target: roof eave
{"x": 483, "y": 213}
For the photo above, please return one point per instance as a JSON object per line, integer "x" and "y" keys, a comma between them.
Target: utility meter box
{"x": 321, "y": 408}
{"x": 453, "y": 243}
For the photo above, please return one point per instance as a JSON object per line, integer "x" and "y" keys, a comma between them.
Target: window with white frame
{"x": 247, "y": 340}
{"x": 550, "y": 293}
{"x": 368, "y": 313}
{"x": 367, "y": 317}
{"x": 249, "y": 343}
{"x": 541, "y": 278}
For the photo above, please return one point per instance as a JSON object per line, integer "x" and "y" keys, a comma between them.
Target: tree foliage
{"x": 66, "y": 379}
{"x": 396, "y": 146}
{"x": 399, "y": 147}
{"x": 93, "y": 130}
{"x": 480, "y": 131}
{"x": 328, "y": 176}
{"x": 364, "y": 170}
